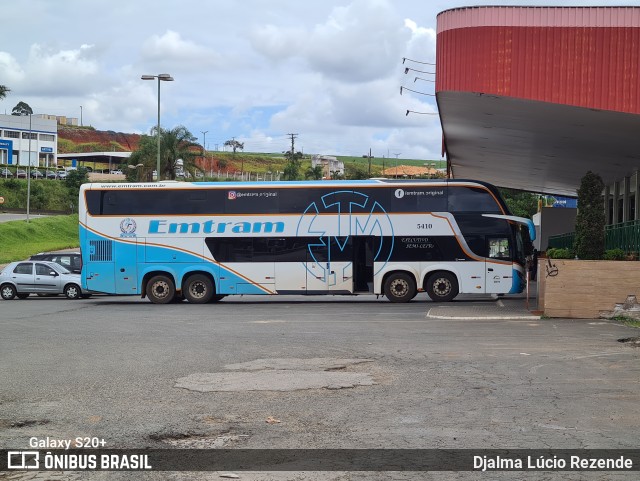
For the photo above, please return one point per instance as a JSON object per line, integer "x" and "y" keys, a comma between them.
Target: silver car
{"x": 19, "y": 279}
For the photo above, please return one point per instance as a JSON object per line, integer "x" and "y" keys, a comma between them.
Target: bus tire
{"x": 442, "y": 286}
{"x": 161, "y": 289}
{"x": 400, "y": 287}
{"x": 198, "y": 289}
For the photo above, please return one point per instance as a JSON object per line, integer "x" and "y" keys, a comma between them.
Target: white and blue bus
{"x": 204, "y": 241}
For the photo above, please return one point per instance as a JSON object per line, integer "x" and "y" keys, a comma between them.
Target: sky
{"x": 329, "y": 71}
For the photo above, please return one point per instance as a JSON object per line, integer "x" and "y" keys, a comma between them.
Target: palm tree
{"x": 314, "y": 173}
{"x": 177, "y": 144}
{"x": 4, "y": 91}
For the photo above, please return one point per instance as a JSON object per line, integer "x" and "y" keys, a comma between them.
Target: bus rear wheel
{"x": 160, "y": 289}
{"x": 400, "y": 287}
{"x": 442, "y": 287}
{"x": 198, "y": 289}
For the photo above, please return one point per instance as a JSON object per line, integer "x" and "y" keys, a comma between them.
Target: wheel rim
{"x": 198, "y": 290}
{"x": 399, "y": 287}
{"x": 72, "y": 292}
{"x": 442, "y": 287}
{"x": 160, "y": 289}
{"x": 7, "y": 292}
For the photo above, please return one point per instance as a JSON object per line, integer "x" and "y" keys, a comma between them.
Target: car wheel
{"x": 72, "y": 291}
{"x": 400, "y": 287}
{"x": 161, "y": 289}
{"x": 22, "y": 295}
{"x": 198, "y": 289}
{"x": 8, "y": 292}
{"x": 442, "y": 287}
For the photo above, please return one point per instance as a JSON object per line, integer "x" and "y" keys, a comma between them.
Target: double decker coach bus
{"x": 203, "y": 241}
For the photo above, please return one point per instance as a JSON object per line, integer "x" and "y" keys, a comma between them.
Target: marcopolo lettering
{"x": 211, "y": 227}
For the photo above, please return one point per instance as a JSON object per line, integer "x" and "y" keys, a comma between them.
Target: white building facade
{"x": 330, "y": 165}
{"x": 28, "y": 139}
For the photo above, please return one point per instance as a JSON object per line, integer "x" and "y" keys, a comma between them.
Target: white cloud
{"x": 172, "y": 50}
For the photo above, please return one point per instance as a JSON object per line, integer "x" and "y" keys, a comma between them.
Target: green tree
{"x": 293, "y": 165}
{"x": 314, "y": 173}
{"x": 75, "y": 178}
{"x": 589, "y": 238}
{"x": 4, "y": 91}
{"x": 177, "y": 144}
{"x": 522, "y": 204}
{"x": 234, "y": 144}
{"x": 22, "y": 108}
{"x": 355, "y": 172}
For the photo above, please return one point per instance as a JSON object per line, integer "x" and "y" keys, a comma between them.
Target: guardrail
{"x": 625, "y": 236}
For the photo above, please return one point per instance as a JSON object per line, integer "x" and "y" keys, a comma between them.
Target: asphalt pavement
{"x": 330, "y": 372}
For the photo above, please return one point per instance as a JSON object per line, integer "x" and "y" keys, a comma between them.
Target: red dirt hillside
{"x": 87, "y": 139}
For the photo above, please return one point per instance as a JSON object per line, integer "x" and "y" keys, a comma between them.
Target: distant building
{"x": 28, "y": 140}
{"x": 60, "y": 119}
{"x": 330, "y": 165}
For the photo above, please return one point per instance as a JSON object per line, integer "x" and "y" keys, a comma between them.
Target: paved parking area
{"x": 115, "y": 367}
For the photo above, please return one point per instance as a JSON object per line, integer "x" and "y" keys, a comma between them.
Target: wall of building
{"x": 21, "y": 135}
{"x": 553, "y": 221}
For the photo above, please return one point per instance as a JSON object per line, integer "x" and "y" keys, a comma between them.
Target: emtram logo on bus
{"x": 128, "y": 227}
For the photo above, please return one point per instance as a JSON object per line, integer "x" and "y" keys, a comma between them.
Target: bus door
{"x": 498, "y": 266}
{"x": 330, "y": 265}
{"x": 126, "y": 266}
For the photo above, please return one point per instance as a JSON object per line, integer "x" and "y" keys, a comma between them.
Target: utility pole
{"x": 369, "y": 161}
{"x": 293, "y": 137}
{"x": 204, "y": 149}
{"x": 397, "y": 163}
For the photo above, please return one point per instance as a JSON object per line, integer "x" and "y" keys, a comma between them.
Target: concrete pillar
{"x": 636, "y": 185}
{"x": 607, "y": 200}
{"x": 625, "y": 198}
{"x": 616, "y": 194}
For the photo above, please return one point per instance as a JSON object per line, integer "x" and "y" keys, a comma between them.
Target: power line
{"x": 407, "y": 69}
{"x": 415, "y": 91}
{"x": 416, "y": 61}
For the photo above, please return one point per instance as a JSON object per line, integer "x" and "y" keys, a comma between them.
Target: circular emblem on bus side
{"x": 128, "y": 226}
{"x": 399, "y": 193}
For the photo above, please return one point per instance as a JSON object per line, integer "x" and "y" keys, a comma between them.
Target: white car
{"x": 19, "y": 279}
{"x": 116, "y": 172}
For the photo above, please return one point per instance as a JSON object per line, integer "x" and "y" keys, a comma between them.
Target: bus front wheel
{"x": 198, "y": 289}
{"x": 442, "y": 287}
{"x": 160, "y": 289}
{"x": 400, "y": 287}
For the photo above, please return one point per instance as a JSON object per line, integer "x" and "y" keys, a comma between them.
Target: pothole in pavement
{"x": 630, "y": 341}
{"x": 23, "y": 423}
{"x": 198, "y": 441}
{"x": 280, "y": 374}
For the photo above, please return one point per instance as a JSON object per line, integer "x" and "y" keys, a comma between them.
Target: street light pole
{"x": 166, "y": 78}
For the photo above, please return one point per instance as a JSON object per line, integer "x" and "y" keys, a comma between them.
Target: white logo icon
{"x": 23, "y": 459}
{"x": 399, "y": 193}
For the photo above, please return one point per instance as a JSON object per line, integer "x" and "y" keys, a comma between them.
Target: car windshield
{"x": 61, "y": 269}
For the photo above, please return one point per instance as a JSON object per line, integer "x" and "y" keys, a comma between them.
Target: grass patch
{"x": 627, "y": 321}
{"x": 21, "y": 239}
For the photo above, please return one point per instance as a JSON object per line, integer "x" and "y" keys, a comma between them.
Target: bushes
{"x": 563, "y": 253}
{"x": 560, "y": 253}
{"x": 45, "y": 194}
{"x": 589, "y": 239}
{"x": 614, "y": 255}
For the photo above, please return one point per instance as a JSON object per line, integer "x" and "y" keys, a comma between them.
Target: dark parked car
{"x": 72, "y": 261}
{"x": 6, "y": 173}
{"x": 51, "y": 174}
{"x": 21, "y": 174}
{"x": 36, "y": 174}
